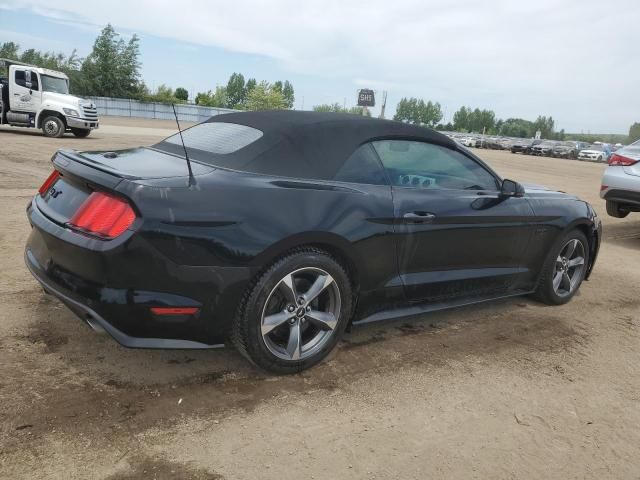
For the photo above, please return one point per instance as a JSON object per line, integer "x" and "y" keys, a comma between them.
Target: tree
{"x": 461, "y": 119}
{"x": 517, "y": 127}
{"x": 9, "y": 50}
{"x": 251, "y": 84}
{"x": 288, "y": 94}
{"x": 337, "y": 108}
{"x": 112, "y": 69}
{"x": 545, "y": 125}
{"x": 181, "y": 94}
{"x": 417, "y": 112}
{"x": 218, "y": 99}
{"x": 634, "y": 132}
{"x": 265, "y": 97}
{"x": 236, "y": 91}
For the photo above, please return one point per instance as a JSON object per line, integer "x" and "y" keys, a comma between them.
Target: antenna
{"x": 192, "y": 179}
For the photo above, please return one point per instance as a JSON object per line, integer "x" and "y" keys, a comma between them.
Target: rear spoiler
{"x": 71, "y": 163}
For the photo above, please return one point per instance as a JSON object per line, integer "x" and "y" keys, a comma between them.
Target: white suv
{"x": 621, "y": 181}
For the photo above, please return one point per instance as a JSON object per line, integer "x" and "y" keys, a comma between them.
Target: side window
{"x": 35, "y": 85}
{"x": 362, "y": 166}
{"x": 20, "y": 80}
{"x": 425, "y": 165}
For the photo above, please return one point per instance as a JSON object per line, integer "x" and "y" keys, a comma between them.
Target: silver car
{"x": 621, "y": 181}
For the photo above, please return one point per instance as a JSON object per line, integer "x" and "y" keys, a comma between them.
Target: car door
{"x": 456, "y": 235}
{"x": 25, "y": 91}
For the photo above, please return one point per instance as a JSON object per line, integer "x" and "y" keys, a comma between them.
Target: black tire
{"x": 247, "y": 333}
{"x": 545, "y": 291}
{"x": 81, "y": 132}
{"x": 53, "y": 127}
{"x": 614, "y": 210}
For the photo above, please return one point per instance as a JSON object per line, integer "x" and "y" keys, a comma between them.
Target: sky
{"x": 576, "y": 60}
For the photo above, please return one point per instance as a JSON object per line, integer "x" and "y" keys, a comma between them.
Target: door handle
{"x": 16, "y": 94}
{"x": 419, "y": 217}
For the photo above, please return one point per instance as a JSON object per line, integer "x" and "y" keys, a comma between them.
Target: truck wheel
{"x": 53, "y": 127}
{"x": 80, "y": 132}
{"x": 614, "y": 210}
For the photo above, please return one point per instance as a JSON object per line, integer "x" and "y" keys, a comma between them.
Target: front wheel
{"x": 53, "y": 127}
{"x": 564, "y": 270}
{"x": 81, "y": 132}
{"x": 295, "y": 313}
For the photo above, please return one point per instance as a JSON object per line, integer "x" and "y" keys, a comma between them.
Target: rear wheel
{"x": 53, "y": 127}
{"x": 80, "y": 132}
{"x": 564, "y": 270}
{"x": 614, "y": 210}
{"x": 295, "y": 313}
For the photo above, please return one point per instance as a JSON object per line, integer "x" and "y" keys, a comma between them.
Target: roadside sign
{"x": 366, "y": 98}
{"x": 538, "y": 134}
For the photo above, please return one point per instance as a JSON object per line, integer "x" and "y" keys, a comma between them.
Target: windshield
{"x": 594, "y": 147}
{"x": 55, "y": 84}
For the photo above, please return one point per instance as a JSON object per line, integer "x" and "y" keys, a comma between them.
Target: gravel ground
{"x": 509, "y": 389}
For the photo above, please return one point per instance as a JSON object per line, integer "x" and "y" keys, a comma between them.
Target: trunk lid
{"x": 82, "y": 173}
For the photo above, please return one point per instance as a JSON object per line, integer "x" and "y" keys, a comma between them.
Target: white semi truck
{"x": 36, "y": 97}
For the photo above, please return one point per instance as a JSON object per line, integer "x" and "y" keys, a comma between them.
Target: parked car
{"x": 565, "y": 150}
{"x": 594, "y": 153}
{"x": 621, "y": 181}
{"x": 289, "y": 227}
{"x": 544, "y": 148}
{"x": 523, "y": 146}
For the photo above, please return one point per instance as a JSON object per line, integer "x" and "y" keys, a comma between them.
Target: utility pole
{"x": 384, "y": 103}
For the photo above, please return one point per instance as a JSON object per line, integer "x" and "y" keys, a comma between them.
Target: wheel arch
{"x": 50, "y": 113}
{"x": 587, "y": 227}
{"x": 336, "y": 246}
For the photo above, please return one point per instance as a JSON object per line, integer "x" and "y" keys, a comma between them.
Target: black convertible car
{"x": 291, "y": 227}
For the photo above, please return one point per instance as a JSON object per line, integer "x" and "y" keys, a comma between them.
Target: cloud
{"x": 572, "y": 59}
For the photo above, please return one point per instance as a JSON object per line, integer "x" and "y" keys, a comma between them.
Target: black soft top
{"x": 306, "y": 144}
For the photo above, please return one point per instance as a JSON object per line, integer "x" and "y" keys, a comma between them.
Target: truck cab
{"x": 35, "y": 97}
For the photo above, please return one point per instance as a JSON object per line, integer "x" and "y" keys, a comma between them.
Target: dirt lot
{"x": 511, "y": 389}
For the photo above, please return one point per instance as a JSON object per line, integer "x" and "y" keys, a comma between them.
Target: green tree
{"x": 9, "y": 50}
{"x": 417, "y": 112}
{"x": 251, "y": 84}
{"x": 112, "y": 69}
{"x": 264, "y": 97}
{"x": 288, "y": 94}
{"x": 516, "y": 127}
{"x": 181, "y": 94}
{"x": 236, "y": 90}
{"x": 337, "y": 108}
{"x": 634, "y": 132}
{"x": 461, "y": 119}
{"x": 545, "y": 125}
{"x": 213, "y": 99}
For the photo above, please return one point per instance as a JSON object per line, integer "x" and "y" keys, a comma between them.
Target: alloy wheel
{"x": 300, "y": 314}
{"x": 569, "y": 268}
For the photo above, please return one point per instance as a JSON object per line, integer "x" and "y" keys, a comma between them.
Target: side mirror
{"x": 511, "y": 188}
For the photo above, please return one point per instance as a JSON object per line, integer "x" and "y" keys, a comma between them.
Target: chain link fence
{"x": 123, "y": 107}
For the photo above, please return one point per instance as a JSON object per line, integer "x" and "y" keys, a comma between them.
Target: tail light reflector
{"x": 622, "y": 161}
{"x": 174, "y": 310}
{"x": 103, "y": 215}
{"x": 51, "y": 179}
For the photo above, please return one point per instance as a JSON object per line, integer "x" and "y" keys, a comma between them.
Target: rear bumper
{"x": 99, "y": 324}
{"x": 622, "y": 187}
{"x": 112, "y": 285}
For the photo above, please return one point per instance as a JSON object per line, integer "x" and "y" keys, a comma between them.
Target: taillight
{"x": 103, "y": 215}
{"x": 622, "y": 161}
{"x": 51, "y": 179}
